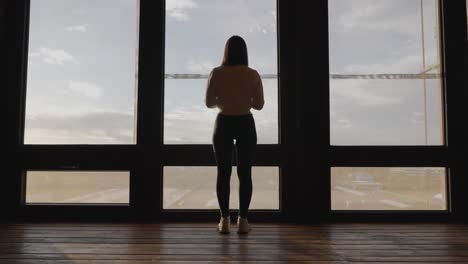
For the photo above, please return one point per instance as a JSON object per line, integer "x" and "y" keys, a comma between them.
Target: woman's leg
{"x": 223, "y": 145}
{"x": 245, "y": 151}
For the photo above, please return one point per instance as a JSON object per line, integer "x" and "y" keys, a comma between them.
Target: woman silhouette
{"x": 234, "y": 89}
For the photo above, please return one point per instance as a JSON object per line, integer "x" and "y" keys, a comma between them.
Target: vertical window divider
{"x": 454, "y": 44}
{"x": 16, "y": 31}
{"x": 146, "y": 187}
{"x": 313, "y": 86}
{"x": 288, "y": 122}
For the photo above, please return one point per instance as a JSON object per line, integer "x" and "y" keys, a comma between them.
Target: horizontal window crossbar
{"x": 396, "y": 76}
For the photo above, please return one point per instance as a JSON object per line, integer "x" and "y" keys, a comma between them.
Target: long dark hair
{"x": 235, "y": 52}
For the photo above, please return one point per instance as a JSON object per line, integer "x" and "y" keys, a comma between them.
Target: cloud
{"x": 193, "y": 123}
{"x": 361, "y": 93}
{"x": 382, "y": 112}
{"x": 34, "y": 54}
{"x": 264, "y": 24}
{"x": 417, "y": 118}
{"x": 393, "y": 64}
{"x": 381, "y": 16}
{"x": 178, "y": 9}
{"x": 344, "y": 123}
{"x": 79, "y": 11}
{"x": 78, "y": 28}
{"x": 199, "y": 67}
{"x": 53, "y": 56}
{"x": 87, "y": 89}
{"x": 103, "y": 127}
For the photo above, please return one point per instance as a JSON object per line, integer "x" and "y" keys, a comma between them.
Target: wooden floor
{"x": 199, "y": 243}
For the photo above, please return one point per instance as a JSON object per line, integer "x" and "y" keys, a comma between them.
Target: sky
{"x": 81, "y": 72}
{"x": 81, "y": 84}
{"x": 383, "y": 36}
{"x": 196, "y": 32}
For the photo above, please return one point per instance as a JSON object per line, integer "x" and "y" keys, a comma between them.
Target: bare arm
{"x": 257, "y": 100}
{"x": 210, "y": 97}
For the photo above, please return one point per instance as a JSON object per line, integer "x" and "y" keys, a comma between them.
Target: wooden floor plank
{"x": 58, "y": 243}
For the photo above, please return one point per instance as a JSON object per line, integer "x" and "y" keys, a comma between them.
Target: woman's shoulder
{"x": 254, "y": 73}
{"x": 252, "y": 70}
{"x": 215, "y": 69}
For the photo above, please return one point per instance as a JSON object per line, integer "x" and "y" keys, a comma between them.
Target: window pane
{"x": 77, "y": 187}
{"x": 195, "y": 188}
{"x": 81, "y": 72}
{"x": 196, "y": 32}
{"x": 385, "y": 83}
{"x": 388, "y": 189}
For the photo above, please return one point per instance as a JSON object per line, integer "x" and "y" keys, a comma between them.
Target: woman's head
{"x": 235, "y": 52}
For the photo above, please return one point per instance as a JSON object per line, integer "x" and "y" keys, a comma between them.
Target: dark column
{"x": 313, "y": 175}
{"x": 146, "y": 181}
{"x": 454, "y": 34}
{"x": 14, "y": 54}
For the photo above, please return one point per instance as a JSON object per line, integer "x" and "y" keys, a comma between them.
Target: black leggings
{"x": 242, "y": 129}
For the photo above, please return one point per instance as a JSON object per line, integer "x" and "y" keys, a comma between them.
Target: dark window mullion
{"x": 312, "y": 182}
{"x": 289, "y": 107}
{"x": 16, "y": 28}
{"x": 146, "y": 182}
{"x": 454, "y": 44}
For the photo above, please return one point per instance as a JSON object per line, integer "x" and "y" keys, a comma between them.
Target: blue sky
{"x": 82, "y": 68}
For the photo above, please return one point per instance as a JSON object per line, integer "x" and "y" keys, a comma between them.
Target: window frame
{"x": 202, "y": 154}
{"x": 379, "y": 155}
{"x": 401, "y": 155}
{"x": 443, "y": 100}
{"x": 304, "y": 124}
{"x": 447, "y": 195}
{"x": 145, "y": 159}
{"x": 71, "y": 169}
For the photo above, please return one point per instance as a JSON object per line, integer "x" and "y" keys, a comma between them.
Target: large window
{"x": 196, "y": 32}
{"x": 386, "y": 90}
{"x": 81, "y": 72}
{"x": 366, "y": 135}
{"x": 406, "y": 188}
{"x": 385, "y": 83}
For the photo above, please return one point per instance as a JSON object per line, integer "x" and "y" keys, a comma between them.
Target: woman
{"x": 234, "y": 89}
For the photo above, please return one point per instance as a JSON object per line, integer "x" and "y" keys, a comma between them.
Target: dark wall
{"x": 456, "y": 100}
{"x": 3, "y": 75}
{"x": 13, "y": 21}
{"x": 2, "y": 19}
